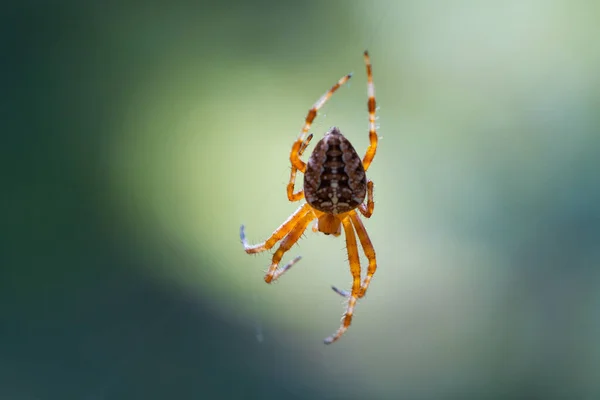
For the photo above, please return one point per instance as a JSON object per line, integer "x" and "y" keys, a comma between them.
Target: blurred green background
{"x": 137, "y": 136}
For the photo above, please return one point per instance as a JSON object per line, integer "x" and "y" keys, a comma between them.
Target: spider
{"x": 335, "y": 186}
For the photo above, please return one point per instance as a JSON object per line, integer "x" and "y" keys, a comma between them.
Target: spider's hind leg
{"x": 292, "y": 237}
{"x": 279, "y": 233}
{"x": 369, "y": 251}
{"x": 354, "y": 260}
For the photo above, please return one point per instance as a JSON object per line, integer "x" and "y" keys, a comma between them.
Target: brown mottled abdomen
{"x": 335, "y": 180}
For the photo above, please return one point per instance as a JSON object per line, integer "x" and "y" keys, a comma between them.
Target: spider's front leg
{"x": 301, "y": 143}
{"x": 371, "y": 106}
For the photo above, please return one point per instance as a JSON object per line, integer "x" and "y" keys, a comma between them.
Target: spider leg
{"x": 341, "y": 292}
{"x": 305, "y": 145}
{"x": 279, "y": 233}
{"x": 371, "y": 105}
{"x": 292, "y": 237}
{"x": 369, "y": 250}
{"x": 367, "y": 246}
{"x": 290, "y": 187}
{"x": 310, "y": 117}
{"x": 367, "y": 209}
{"x": 352, "y": 249}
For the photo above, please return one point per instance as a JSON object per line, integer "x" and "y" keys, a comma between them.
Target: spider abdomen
{"x": 334, "y": 181}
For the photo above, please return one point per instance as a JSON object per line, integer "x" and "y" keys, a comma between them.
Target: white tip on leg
{"x": 341, "y": 292}
{"x": 242, "y": 235}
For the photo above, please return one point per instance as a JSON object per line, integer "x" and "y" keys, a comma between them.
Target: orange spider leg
{"x": 355, "y": 270}
{"x": 367, "y": 209}
{"x": 310, "y": 117}
{"x": 367, "y": 246}
{"x": 369, "y": 251}
{"x": 296, "y": 233}
{"x": 290, "y": 187}
{"x": 305, "y": 145}
{"x": 372, "y": 149}
{"x": 279, "y": 233}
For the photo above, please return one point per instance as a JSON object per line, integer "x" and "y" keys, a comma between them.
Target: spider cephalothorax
{"x": 335, "y": 186}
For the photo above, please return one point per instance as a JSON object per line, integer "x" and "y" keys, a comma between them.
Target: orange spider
{"x": 335, "y": 185}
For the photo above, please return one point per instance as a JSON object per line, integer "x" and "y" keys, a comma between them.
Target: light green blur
{"x": 486, "y": 183}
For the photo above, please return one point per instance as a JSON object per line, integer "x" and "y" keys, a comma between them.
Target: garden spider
{"x": 335, "y": 185}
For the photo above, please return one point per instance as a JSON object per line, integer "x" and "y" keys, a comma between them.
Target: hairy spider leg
{"x": 295, "y": 234}
{"x": 290, "y": 187}
{"x": 369, "y": 251}
{"x": 355, "y": 270}
{"x": 305, "y": 144}
{"x": 371, "y": 105}
{"x": 297, "y": 163}
{"x": 278, "y": 234}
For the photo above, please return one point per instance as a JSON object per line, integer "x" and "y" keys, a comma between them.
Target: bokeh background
{"x": 137, "y": 136}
